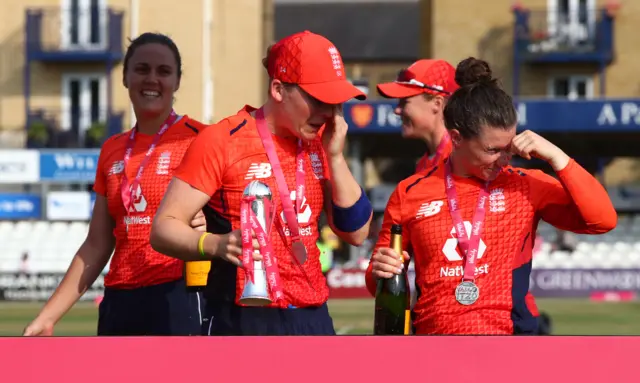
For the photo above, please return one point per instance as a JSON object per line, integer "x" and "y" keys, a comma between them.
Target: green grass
{"x": 355, "y": 316}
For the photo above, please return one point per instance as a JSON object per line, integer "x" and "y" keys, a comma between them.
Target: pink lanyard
{"x": 426, "y": 162}
{"x": 440, "y": 149}
{"x": 127, "y": 189}
{"x": 468, "y": 244}
{"x": 248, "y": 221}
{"x": 299, "y": 251}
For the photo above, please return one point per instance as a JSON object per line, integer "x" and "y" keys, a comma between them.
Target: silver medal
{"x": 467, "y": 293}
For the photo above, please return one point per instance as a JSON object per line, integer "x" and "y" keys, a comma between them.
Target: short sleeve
{"x": 100, "y": 183}
{"x": 203, "y": 164}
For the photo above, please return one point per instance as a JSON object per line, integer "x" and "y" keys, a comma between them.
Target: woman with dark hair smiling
{"x": 145, "y": 293}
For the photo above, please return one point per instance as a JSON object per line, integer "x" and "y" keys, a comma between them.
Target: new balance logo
{"x": 258, "y": 171}
{"x": 429, "y": 209}
{"x": 116, "y": 168}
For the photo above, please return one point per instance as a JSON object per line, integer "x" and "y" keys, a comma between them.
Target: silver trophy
{"x": 257, "y": 293}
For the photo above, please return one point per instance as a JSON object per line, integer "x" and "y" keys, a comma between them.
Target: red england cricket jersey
{"x": 518, "y": 200}
{"x": 221, "y": 162}
{"x": 135, "y": 263}
{"x": 427, "y": 162}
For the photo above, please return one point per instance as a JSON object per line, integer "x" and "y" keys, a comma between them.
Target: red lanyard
{"x": 248, "y": 221}
{"x": 299, "y": 251}
{"x": 127, "y": 189}
{"x": 468, "y": 244}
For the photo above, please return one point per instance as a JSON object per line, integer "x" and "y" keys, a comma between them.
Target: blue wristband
{"x": 350, "y": 219}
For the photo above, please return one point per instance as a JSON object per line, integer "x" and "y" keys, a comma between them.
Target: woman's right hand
{"x": 385, "y": 263}
{"x": 39, "y": 327}
{"x": 230, "y": 247}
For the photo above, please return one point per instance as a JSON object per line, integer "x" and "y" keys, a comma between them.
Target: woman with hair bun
{"x": 470, "y": 220}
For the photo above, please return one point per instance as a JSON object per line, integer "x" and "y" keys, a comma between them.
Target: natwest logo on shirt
{"x": 137, "y": 220}
{"x": 304, "y": 215}
{"x": 139, "y": 203}
{"x": 304, "y": 231}
{"x": 452, "y": 253}
{"x": 458, "y": 271}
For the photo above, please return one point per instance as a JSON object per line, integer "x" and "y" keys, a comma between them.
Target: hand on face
{"x": 335, "y": 133}
{"x": 529, "y": 144}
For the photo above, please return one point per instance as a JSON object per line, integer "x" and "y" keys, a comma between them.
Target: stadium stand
{"x": 619, "y": 248}
{"x": 50, "y": 245}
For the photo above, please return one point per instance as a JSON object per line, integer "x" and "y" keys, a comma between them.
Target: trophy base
{"x": 255, "y": 301}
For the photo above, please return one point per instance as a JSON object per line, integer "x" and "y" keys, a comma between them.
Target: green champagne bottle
{"x": 392, "y": 307}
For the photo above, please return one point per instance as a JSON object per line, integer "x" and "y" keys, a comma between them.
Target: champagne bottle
{"x": 392, "y": 306}
{"x": 196, "y": 275}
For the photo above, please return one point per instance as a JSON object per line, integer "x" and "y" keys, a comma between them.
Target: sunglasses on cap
{"x": 406, "y": 77}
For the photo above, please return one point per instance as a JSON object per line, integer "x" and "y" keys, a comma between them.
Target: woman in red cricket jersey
{"x": 294, "y": 144}
{"x": 144, "y": 290}
{"x": 470, "y": 221}
{"x": 422, "y": 91}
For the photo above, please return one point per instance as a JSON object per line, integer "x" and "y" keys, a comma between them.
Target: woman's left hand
{"x": 199, "y": 223}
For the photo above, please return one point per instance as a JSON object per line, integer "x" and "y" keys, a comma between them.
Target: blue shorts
{"x": 226, "y": 318}
{"x": 164, "y": 309}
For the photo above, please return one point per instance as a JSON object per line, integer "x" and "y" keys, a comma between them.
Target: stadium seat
{"x": 619, "y": 248}
{"x": 52, "y": 245}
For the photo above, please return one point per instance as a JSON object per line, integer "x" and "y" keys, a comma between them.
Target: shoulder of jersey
{"x": 420, "y": 179}
{"x": 191, "y": 126}
{"x": 511, "y": 171}
{"x": 233, "y": 126}
{"x": 114, "y": 141}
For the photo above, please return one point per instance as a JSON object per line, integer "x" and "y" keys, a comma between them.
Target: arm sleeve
{"x": 577, "y": 202}
{"x": 204, "y": 163}
{"x": 100, "y": 183}
{"x": 392, "y": 216}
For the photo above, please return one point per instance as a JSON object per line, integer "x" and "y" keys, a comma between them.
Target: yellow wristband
{"x": 201, "y": 244}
